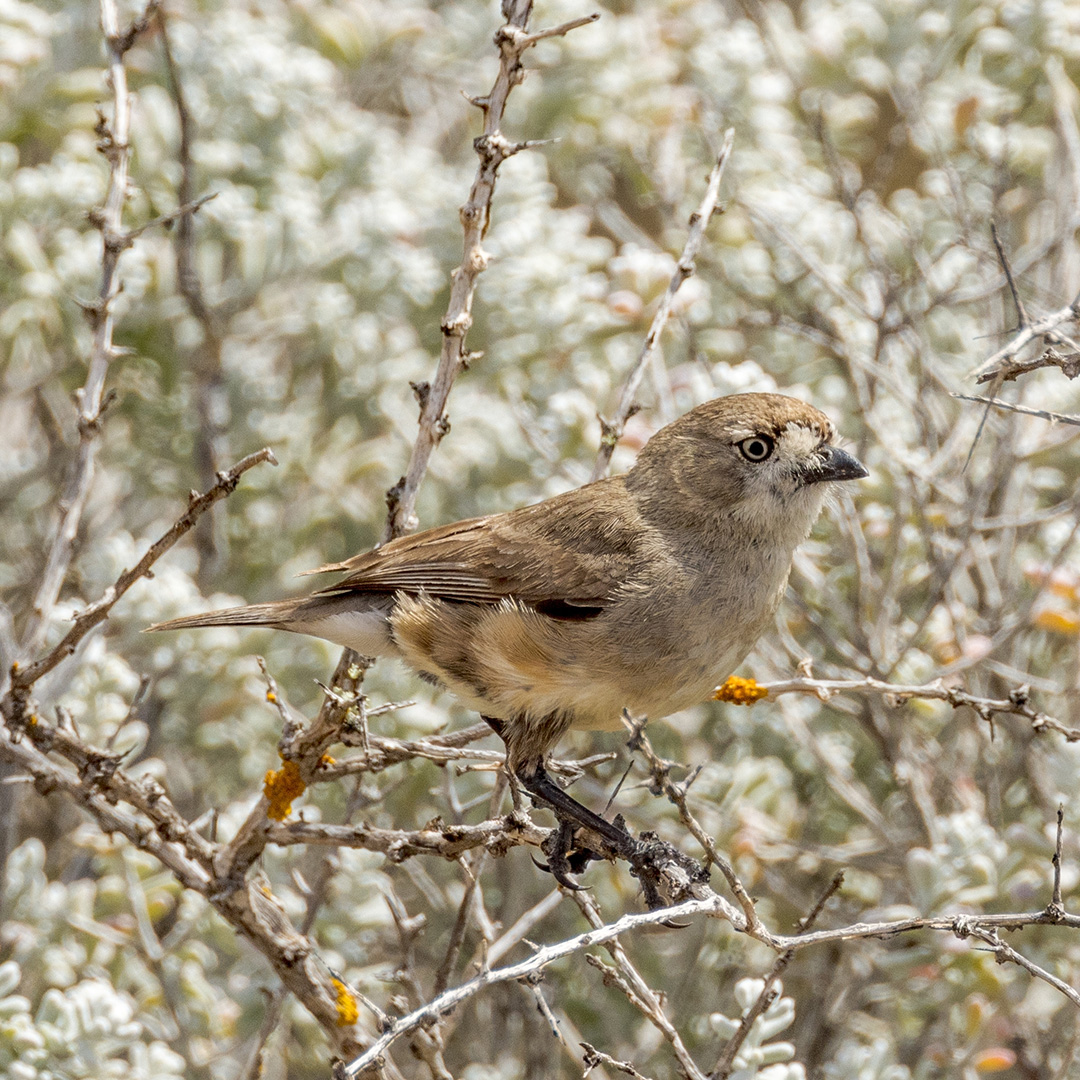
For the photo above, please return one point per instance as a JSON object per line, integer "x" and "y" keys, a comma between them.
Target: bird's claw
{"x": 564, "y": 857}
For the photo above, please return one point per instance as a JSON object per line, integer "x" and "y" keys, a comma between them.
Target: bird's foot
{"x": 667, "y": 875}
{"x": 565, "y": 856}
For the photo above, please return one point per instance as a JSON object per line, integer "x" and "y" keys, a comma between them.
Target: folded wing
{"x": 561, "y": 557}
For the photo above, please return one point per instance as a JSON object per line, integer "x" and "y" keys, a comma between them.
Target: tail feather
{"x": 276, "y": 613}
{"x": 356, "y": 620}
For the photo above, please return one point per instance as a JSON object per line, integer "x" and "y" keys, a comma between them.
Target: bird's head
{"x": 765, "y": 460}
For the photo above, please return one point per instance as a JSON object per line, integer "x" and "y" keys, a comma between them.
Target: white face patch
{"x": 797, "y": 444}
{"x": 775, "y": 499}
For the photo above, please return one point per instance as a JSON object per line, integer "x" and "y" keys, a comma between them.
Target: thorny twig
{"x": 1021, "y": 312}
{"x": 24, "y": 677}
{"x": 626, "y": 977}
{"x": 1001, "y": 363}
{"x": 1068, "y": 363}
{"x": 493, "y": 148}
{"x": 449, "y": 841}
{"x": 593, "y": 1057}
{"x": 726, "y": 1062}
{"x": 167, "y": 221}
{"x": 1043, "y": 414}
{"x": 1004, "y": 365}
{"x": 91, "y": 399}
{"x": 1005, "y": 953}
{"x": 660, "y": 772}
{"x": 612, "y": 430}
{"x": 1016, "y": 704}
{"x": 156, "y": 828}
{"x": 1056, "y": 904}
{"x": 715, "y": 907}
{"x": 450, "y": 999}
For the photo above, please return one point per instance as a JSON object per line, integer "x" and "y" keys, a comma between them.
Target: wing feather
{"x": 568, "y": 555}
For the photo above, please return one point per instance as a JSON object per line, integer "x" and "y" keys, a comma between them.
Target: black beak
{"x": 832, "y": 463}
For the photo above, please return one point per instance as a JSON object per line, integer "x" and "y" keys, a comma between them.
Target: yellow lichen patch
{"x": 326, "y": 760}
{"x": 1058, "y": 622}
{"x": 740, "y": 691}
{"x": 347, "y": 1010}
{"x": 271, "y": 697}
{"x": 280, "y": 788}
{"x": 997, "y": 1059}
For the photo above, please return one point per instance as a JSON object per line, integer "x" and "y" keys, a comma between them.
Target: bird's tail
{"x": 358, "y": 621}
{"x": 277, "y": 613}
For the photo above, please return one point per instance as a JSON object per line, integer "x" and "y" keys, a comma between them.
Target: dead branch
{"x": 1043, "y": 414}
{"x": 660, "y": 771}
{"x": 747, "y": 691}
{"x": 448, "y": 841}
{"x": 492, "y": 148}
{"x": 713, "y": 906}
{"x": 91, "y": 399}
{"x": 23, "y": 678}
{"x": 612, "y": 430}
{"x": 726, "y": 1062}
{"x": 1001, "y": 365}
{"x": 626, "y": 977}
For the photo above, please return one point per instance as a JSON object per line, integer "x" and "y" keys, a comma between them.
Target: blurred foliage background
{"x": 853, "y": 266}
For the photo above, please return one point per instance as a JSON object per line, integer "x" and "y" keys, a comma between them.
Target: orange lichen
{"x": 280, "y": 788}
{"x": 996, "y": 1059}
{"x": 326, "y": 760}
{"x": 347, "y": 1009}
{"x": 1063, "y": 581}
{"x": 1058, "y": 622}
{"x": 271, "y": 697}
{"x": 740, "y": 691}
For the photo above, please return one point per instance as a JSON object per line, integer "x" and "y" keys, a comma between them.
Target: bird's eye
{"x": 756, "y": 448}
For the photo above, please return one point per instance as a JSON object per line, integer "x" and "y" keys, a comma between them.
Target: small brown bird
{"x": 641, "y": 591}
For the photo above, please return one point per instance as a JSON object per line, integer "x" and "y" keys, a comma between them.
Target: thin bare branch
{"x": 1055, "y": 900}
{"x": 713, "y": 906}
{"x": 1016, "y": 704}
{"x": 1021, "y": 311}
{"x": 660, "y": 771}
{"x": 498, "y": 836}
{"x": 493, "y": 149}
{"x": 22, "y": 678}
{"x": 612, "y": 430}
{"x": 594, "y": 1057}
{"x": 1005, "y": 953}
{"x": 451, "y": 999}
{"x": 1068, "y": 363}
{"x": 726, "y": 1062}
{"x": 167, "y": 221}
{"x": 999, "y": 364}
{"x": 91, "y": 399}
{"x": 1043, "y": 414}
{"x": 632, "y": 984}
{"x": 105, "y": 790}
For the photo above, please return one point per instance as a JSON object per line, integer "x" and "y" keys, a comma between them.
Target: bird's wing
{"x": 566, "y": 556}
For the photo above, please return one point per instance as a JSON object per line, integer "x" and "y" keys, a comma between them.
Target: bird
{"x": 639, "y": 592}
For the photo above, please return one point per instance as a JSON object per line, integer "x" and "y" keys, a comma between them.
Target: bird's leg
{"x": 648, "y": 857}
{"x": 564, "y": 853}
{"x": 538, "y": 783}
{"x": 563, "y": 856}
